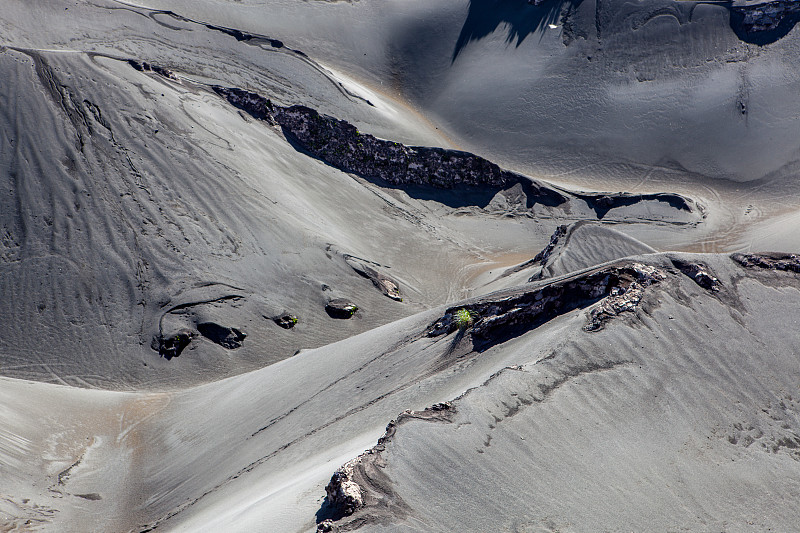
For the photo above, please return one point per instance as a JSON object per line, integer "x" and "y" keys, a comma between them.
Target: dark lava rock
{"x": 771, "y": 261}
{"x": 172, "y": 345}
{"x": 341, "y": 308}
{"x": 602, "y": 203}
{"x": 254, "y": 104}
{"x": 340, "y": 144}
{"x": 620, "y": 287}
{"x": 699, "y": 273}
{"x": 557, "y": 235}
{"x": 230, "y": 338}
{"x": 764, "y": 22}
{"x": 285, "y": 321}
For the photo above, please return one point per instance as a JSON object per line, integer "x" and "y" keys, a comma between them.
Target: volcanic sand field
{"x": 236, "y": 239}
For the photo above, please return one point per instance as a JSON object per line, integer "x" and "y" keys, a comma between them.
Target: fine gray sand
{"x": 549, "y": 245}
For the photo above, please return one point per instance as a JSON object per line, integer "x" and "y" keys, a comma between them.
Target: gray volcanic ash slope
{"x": 239, "y": 238}
{"x": 560, "y": 426}
{"x": 160, "y": 236}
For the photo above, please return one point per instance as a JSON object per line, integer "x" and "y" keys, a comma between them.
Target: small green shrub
{"x": 464, "y": 318}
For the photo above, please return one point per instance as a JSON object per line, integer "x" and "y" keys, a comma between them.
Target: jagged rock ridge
{"x": 621, "y": 285}
{"x": 340, "y": 144}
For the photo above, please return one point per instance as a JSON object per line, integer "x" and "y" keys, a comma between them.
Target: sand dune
{"x": 238, "y": 239}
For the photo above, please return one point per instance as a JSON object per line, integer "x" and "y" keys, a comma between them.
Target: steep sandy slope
{"x": 195, "y": 196}
{"x": 684, "y": 417}
{"x": 559, "y": 84}
{"x": 645, "y": 422}
{"x": 156, "y": 233}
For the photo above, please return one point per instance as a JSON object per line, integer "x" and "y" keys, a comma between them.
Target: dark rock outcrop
{"x": 772, "y": 261}
{"x": 230, "y": 338}
{"x": 253, "y": 104}
{"x": 342, "y": 492}
{"x": 172, "y": 345}
{"x": 621, "y": 287}
{"x": 764, "y": 22}
{"x": 361, "y": 483}
{"x": 700, "y": 274}
{"x": 340, "y": 144}
{"x": 341, "y": 308}
{"x": 624, "y": 297}
{"x": 544, "y": 254}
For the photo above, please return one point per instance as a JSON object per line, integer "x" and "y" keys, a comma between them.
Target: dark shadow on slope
{"x": 601, "y": 204}
{"x": 521, "y": 18}
{"x": 328, "y": 511}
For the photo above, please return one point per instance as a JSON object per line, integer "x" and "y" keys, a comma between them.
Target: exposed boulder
{"x": 341, "y": 308}
{"x": 169, "y": 346}
{"x": 285, "y": 321}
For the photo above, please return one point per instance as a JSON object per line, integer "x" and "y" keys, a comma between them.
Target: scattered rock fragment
{"x": 285, "y": 321}
{"x": 230, "y": 338}
{"x": 326, "y": 526}
{"x": 341, "y": 308}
